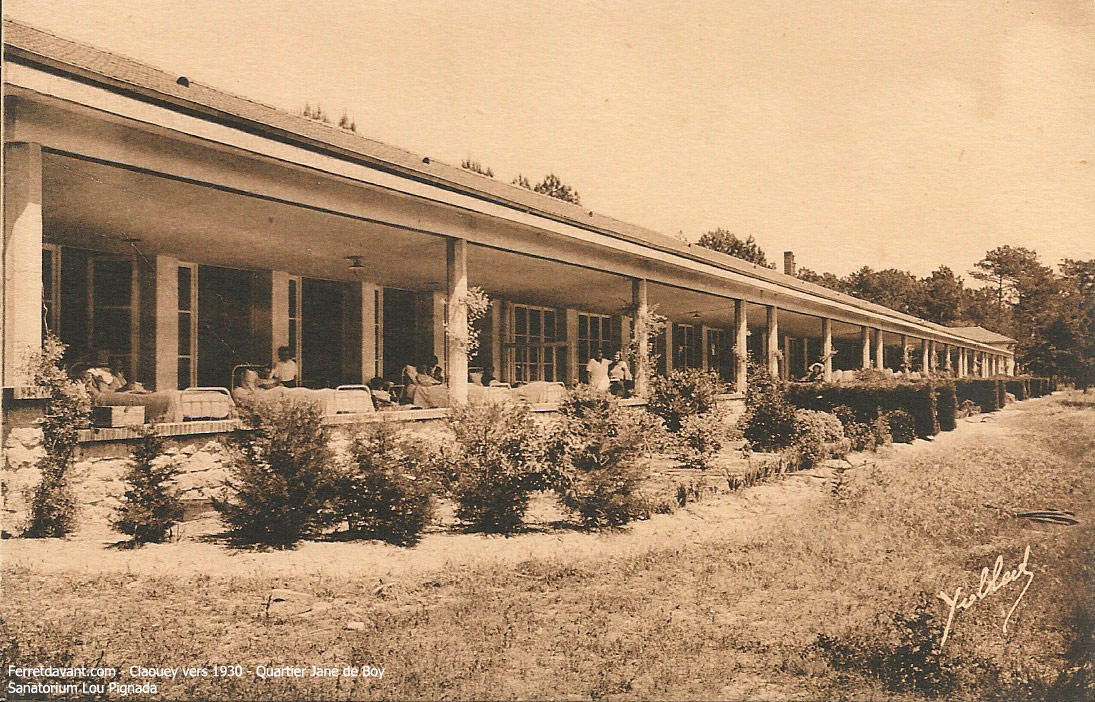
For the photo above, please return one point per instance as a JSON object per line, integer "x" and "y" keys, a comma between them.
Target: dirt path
{"x": 723, "y": 516}
{"x": 732, "y": 517}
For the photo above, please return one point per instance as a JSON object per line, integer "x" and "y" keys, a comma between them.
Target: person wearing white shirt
{"x": 597, "y": 371}
{"x": 619, "y": 375}
{"x": 285, "y": 370}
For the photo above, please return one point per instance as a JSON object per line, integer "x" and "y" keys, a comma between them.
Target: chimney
{"x": 789, "y": 262}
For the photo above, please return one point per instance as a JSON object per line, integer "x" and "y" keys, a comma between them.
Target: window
{"x": 294, "y": 321}
{"x": 596, "y": 332}
{"x": 536, "y": 344}
{"x": 112, "y": 304}
{"x": 188, "y": 325}
{"x": 687, "y": 352}
{"x": 51, "y": 288}
{"x": 720, "y": 357}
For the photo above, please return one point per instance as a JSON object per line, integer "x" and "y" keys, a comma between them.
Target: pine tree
{"x": 152, "y": 505}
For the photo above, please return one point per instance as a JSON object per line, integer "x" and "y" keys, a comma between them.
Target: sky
{"x": 882, "y": 134}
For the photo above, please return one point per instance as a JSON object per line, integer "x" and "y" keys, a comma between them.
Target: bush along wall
{"x": 946, "y": 405}
{"x": 1020, "y": 387}
{"x": 980, "y": 391}
{"x": 1001, "y": 392}
{"x": 866, "y": 401}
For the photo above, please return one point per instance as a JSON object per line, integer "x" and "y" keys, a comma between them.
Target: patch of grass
{"x": 735, "y": 614}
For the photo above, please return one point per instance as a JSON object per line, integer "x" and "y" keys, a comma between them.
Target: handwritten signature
{"x": 989, "y": 584}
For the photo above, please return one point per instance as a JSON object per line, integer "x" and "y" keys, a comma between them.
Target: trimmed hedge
{"x": 980, "y": 391}
{"x": 946, "y": 405}
{"x": 866, "y": 401}
{"x": 988, "y": 393}
{"x": 1041, "y": 386}
{"x": 1032, "y": 386}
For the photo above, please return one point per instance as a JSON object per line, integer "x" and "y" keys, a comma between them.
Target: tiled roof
{"x": 39, "y": 46}
{"x": 983, "y": 335}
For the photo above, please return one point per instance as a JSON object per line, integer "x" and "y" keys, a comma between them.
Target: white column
{"x": 771, "y": 346}
{"x": 741, "y": 341}
{"x": 904, "y": 350}
{"x": 879, "y": 350}
{"x": 947, "y": 357}
{"x": 456, "y": 338}
{"x": 641, "y": 310}
{"x": 827, "y": 347}
{"x": 925, "y": 352}
{"x": 865, "y": 341}
{"x": 22, "y": 261}
{"x": 165, "y": 322}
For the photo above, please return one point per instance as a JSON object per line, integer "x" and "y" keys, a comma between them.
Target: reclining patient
{"x": 107, "y": 386}
{"x": 251, "y": 390}
{"x": 416, "y": 378}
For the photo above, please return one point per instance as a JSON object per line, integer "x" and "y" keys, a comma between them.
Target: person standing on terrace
{"x": 597, "y": 371}
{"x": 619, "y": 375}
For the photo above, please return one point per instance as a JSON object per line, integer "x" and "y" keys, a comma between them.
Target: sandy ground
{"x": 727, "y": 515}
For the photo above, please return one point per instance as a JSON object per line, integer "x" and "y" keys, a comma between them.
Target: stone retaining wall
{"x": 97, "y": 477}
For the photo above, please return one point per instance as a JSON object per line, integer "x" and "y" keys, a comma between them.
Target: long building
{"x": 185, "y": 231}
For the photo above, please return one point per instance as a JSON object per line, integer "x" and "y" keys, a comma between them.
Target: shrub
{"x": 860, "y": 435}
{"x": 497, "y": 462}
{"x": 902, "y": 426}
{"x": 1019, "y": 387}
{"x": 52, "y": 506}
{"x": 385, "y": 492}
{"x": 818, "y": 435}
{"x": 918, "y": 398}
{"x": 700, "y": 439}
{"x": 874, "y": 376}
{"x": 880, "y": 427}
{"x": 980, "y": 391}
{"x": 281, "y": 475}
{"x": 908, "y": 660}
{"x": 152, "y": 505}
{"x": 683, "y": 393}
{"x": 946, "y": 407}
{"x": 768, "y": 423}
{"x": 598, "y": 447}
